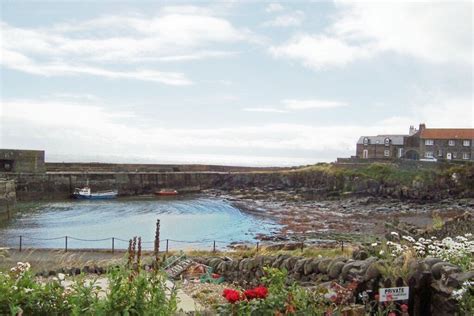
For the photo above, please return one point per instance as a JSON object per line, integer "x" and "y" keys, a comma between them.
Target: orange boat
{"x": 166, "y": 192}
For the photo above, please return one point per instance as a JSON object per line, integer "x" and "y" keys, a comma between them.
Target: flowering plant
{"x": 232, "y": 296}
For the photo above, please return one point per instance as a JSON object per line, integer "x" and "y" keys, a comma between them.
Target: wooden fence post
{"x": 167, "y": 245}
{"x": 257, "y": 246}
{"x": 157, "y": 239}
{"x": 65, "y": 243}
{"x": 113, "y": 245}
{"x": 214, "y": 247}
{"x": 20, "y": 242}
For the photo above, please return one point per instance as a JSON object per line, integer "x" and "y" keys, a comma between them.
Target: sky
{"x": 253, "y": 83}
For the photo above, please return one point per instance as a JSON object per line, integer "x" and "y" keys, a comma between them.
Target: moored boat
{"x": 166, "y": 192}
{"x": 85, "y": 193}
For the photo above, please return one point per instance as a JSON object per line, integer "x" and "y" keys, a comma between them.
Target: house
{"x": 441, "y": 143}
{"x": 451, "y": 144}
{"x": 380, "y": 147}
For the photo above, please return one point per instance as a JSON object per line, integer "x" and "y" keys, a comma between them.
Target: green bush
{"x": 129, "y": 292}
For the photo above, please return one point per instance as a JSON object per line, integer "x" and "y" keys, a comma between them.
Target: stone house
{"x": 441, "y": 143}
{"x": 450, "y": 144}
{"x": 380, "y": 147}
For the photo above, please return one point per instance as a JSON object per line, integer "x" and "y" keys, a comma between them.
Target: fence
{"x": 22, "y": 242}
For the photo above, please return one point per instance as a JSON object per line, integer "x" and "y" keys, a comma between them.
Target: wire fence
{"x": 66, "y": 243}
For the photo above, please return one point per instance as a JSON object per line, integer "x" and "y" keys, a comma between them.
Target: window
{"x": 466, "y": 143}
{"x": 386, "y": 153}
{"x": 429, "y": 142}
{"x": 455, "y": 155}
{"x": 451, "y": 142}
{"x": 365, "y": 154}
{"x": 429, "y": 154}
{"x": 440, "y": 153}
{"x": 387, "y": 141}
{"x": 366, "y": 141}
{"x": 465, "y": 156}
{"x": 400, "y": 152}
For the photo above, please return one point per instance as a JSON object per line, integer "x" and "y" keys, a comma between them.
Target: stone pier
{"x": 7, "y": 198}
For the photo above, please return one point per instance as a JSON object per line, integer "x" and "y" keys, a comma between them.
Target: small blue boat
{"x": 85, "y": 193}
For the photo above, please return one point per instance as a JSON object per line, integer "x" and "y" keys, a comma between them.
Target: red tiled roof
{"x": 447, "y": 133}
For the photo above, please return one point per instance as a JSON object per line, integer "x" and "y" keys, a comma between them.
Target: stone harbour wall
{"x": 431, "y": 280}
{"x": 7, "y": 198}
{"x": 311, "y": 185}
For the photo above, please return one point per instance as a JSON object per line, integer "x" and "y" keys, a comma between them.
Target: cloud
{"x": 274, "y": 7}
{"x": 297, "y": 105}
{"x": 294, "y": 104}
{"x": 265, "y": 110}
{"x": 22, "y": 63}
{"x": 100, "y": 45}
{"x": 432, "y": 32}
{"x": 77, "y": 126}
{"x": 285, "y": 20}
{"x": 435, "y": 32}
{"x": 320, "y": 51}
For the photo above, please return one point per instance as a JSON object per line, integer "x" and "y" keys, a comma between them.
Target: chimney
{"x": 422, "y": 126}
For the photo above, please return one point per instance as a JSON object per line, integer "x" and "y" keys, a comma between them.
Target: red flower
{"x": 231, "y": 296}
{"x": 261, "y": 292}
{"x": 377, "y": 297}
{"x": 404, "y": 308}
{"x": 389, "y": 297}
{"x": 392, "y": 314}
{"x": 250, "y": 294}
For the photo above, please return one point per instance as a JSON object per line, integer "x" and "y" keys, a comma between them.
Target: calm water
{"x": 197, "y": 219}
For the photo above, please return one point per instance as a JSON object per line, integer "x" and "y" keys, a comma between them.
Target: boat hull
{"x": 104, "y": 196}
{"x": 166, "y": 193}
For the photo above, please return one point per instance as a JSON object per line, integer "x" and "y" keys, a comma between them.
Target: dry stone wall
{"x": 431, "y": 280}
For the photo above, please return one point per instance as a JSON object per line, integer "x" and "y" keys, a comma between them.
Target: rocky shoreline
{"x": 349, "y": 218}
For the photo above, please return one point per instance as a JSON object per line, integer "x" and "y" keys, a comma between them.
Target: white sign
{"x": 393, "y": 294}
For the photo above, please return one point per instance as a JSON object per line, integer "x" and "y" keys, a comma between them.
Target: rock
{"x": 299, "y": 266}
{"x": 372, "y": 271}
{"x": 355, "y": 269}
{"x": 335, "y": 269}
{"x": 221, "y": 268}
{"x": 444, "y": 268}
{"x": 214, "y": 262}
{"x": 431, "y": 261}
{"x": 309, "y": 267}
{"x": 455, "y": 280}
{"x": 324, "y": 265}
{"x": 360, "y": 255}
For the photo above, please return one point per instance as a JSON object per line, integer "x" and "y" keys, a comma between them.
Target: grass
{"x": 49, "y": 259}
{"x": 46, "y": 260}
{"x": 264, "y": 251}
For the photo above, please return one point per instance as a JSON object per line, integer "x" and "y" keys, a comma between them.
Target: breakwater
{"x": 7, "y": 198}
{"x": 326, "y": 181}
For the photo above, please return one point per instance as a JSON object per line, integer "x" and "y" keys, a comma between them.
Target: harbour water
{"x": 187, "y": 222}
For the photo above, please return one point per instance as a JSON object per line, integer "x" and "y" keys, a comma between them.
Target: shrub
{"x": 130, "y": 292}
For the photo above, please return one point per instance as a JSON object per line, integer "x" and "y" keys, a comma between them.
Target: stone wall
{"x": 96, "y": 167}
{"x": 7, "y": 198}
{"x": 16, "y": 160}
{"x": 313, "y": 184}
{"x": 431, "y": 280}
